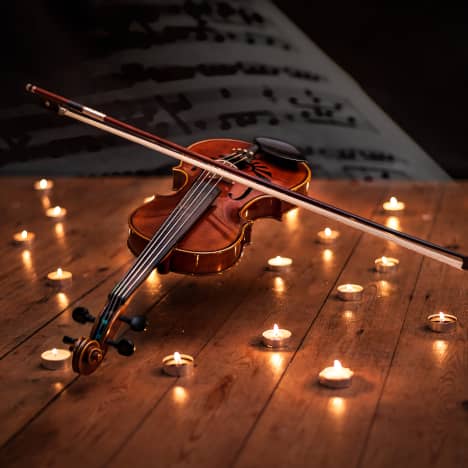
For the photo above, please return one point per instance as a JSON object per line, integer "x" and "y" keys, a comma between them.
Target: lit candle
{"x": 24, "y": 237}
{"x": 336, "y": 376}
{"x": 393, "y": 205}
{"x": 59, "y": 278}
{"x": 55, "y": 359}
{"x": 43, "y": 185}
{"x": 279, "y": 263}
{"x": 149, "y": 199}
{"x": 178, "y": 365}
{"x": 350, "y": 292}
{"x": 386, "y": 264}
{"x": 276, "y": 337}
{"x": 442, "y": 323}
{"x": 327, "y": 236}
{"x": 56, "y": 213}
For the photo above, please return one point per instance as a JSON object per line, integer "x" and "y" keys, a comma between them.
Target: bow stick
{"x": 116, "y": 127}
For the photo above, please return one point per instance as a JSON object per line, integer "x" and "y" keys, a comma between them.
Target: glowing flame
{"x": 56, "y": 210}
{"x": 177, "y": 358}
{"x": 385, "y": 260}
{"x": 275, "y": 330}
{"x": 59, "y": 272}
{"x": 441, "y": 316}
{"x": 24, "y": 234}
{"x": 43, "y": 184}
{"x": 393, "y": 201}
{"x": 55, "y": 351}
{"x": 327, "y": 232}
{"x": 337, "y": 364}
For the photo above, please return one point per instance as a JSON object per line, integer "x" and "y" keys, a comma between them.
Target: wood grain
{"x": 245, "y": 406}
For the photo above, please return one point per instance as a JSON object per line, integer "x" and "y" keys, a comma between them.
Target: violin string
{"x": 139, "y": 268}
{"x": 176, "y": 226}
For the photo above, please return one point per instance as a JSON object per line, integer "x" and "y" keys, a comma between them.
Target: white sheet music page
{"x": 190, "y": 71}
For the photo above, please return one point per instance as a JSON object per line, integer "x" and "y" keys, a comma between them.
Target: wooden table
{"x": 245, "y": 406}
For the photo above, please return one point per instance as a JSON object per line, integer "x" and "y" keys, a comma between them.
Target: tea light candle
{"x": 178, "y": 365}
{"x": 279, "y": 263}
{"x": 442, "y": 323}
{"x": 350, "y": 292}
{"x": 59, "y": 278}
{"x": 43, "y": 185}
{"x": 276, "y": 337}
{"x": 393, "y": 205}
{"x": 327, "y": 236}
{"x": 55, "y": 359}
{"x": 336, "y": 376}
{"x": 24, "y": 237}
{"x": 56, "y": 213}
{"x": 386, "y": 264}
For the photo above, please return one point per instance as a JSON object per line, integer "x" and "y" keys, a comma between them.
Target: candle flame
{"x": 56, "y": 210}
{"x": 275, "y": 330}
{"x": 55, "y": 351}
{"x": 177, "y": 358}
{"x": 441, "y": 316}
{"x": 385, "y": 260}
{"x": 43, "y": 184}
{"x": 393, "y": 201}
{"x": 327, "y": 232}
{"x": 24, "y": 234}
{"x": 337, "y": 364}
{"x": 59, "y": 272}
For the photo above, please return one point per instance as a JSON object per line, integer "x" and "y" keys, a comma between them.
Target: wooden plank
{"x": 304, "y": 424}
{"x": 123, "y": 393}
{"x": 92, "y": 247}
{"x": 424, "y": 401}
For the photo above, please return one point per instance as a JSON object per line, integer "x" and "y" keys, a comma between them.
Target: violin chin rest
{"x": 279, "y": 149}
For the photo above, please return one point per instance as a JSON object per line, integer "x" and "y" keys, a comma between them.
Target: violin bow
{"x": 89, "y": 116}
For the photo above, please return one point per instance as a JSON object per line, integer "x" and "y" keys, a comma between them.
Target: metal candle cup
{"x": 350, "y": 292}
{"x": 59, "y": 278}
{"x": 55, "y": 359}
{"x": 178, "y": 365}
{"x": 327, "y": 236}
{"x": 393, "y": 205}
{"x": 336, "y": 376}
{"x": 279, "y": 263}
{"x": 442, "y": 323}
{"x": 56, "y": 213}
{"x": 276, "y": 337}
{"x": 386, "y": 264}
{"x": 24, "y": 237}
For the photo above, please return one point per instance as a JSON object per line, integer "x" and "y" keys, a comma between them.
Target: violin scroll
{"x": 87, "y": 354}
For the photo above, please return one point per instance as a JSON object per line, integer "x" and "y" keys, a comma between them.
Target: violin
{"x": 221, "y": 186}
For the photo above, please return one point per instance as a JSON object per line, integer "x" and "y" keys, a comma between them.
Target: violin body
{"x": 217, "y": 239}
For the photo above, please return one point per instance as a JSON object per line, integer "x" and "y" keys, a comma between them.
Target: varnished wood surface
{"x": 245, "y": 406}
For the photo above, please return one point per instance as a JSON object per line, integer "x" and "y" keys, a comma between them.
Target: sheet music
{"x": 190, "y": 71}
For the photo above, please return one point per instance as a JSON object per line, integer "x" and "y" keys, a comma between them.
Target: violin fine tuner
{"x": 264, "y": 178}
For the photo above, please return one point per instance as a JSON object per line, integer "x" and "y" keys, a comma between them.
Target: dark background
{"x": 411, "y": 60}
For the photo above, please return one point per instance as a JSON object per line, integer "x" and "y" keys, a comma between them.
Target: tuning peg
{"x": 137, "y": 322}
{"x": 82, "y": 315}
{"x": 124, "y": 347}
{"x": 69, "y": 340}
